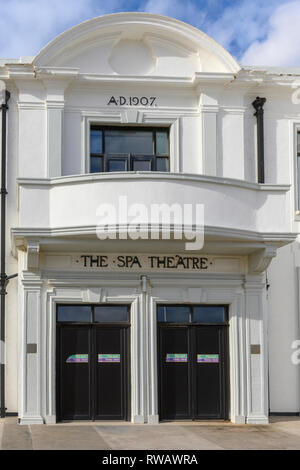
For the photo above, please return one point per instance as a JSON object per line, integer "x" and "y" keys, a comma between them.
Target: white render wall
{"x": 213, "y": 132}
{"x": 283, "y": 299}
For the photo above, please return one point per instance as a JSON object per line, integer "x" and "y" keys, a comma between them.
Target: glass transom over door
{"x": 93, "y": 362}
{"x": 193, "y": 362}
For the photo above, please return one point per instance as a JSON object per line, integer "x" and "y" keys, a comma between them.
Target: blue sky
{"x": 255, "y": 32}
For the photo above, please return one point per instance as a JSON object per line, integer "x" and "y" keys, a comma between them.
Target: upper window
{"x": 192, "y": 314}
{"x": 129, "y": 149}
{"x": 92, "y": 313}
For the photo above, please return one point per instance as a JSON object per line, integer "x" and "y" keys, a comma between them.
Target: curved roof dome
{"x": 136, "y": 44}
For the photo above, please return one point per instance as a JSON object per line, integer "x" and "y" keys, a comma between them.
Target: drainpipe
{"x": 258, "y": 104}
{"x": 4, "y": 279}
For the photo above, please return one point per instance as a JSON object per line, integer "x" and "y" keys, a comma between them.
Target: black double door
{"x": 93, "y": 372}
{"x": 193, "y": 372}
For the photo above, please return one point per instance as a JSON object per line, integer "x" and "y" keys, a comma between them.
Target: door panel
{"x": 110, "y": 387}
{"x": 207, "y": 372}
{"x": 175, "y": 375}
{"x": 74, "y": 372}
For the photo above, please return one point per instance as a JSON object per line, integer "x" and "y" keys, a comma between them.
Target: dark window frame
{"x": 92, "y": 314}
{"x": 105, "y": 158}
{"x": 191, "y": 307}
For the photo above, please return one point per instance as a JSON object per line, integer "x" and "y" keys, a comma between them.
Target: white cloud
{"x": 268, "y": 30}
{"x": 27, "y": 25}
{"x": 183, "y": 10}
{"x": 281, "y": 46}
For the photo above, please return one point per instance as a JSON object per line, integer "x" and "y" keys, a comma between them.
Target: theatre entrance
{"x": 93, "y": 362}
{"x": 193, "y": 362}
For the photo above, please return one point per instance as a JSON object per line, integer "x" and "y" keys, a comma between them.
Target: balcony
{"x": 233, "y": 209}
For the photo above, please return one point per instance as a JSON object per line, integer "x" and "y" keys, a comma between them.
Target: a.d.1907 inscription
{"x": 132, "y": 101}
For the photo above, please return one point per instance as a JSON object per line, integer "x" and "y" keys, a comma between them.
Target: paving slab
{"x": 290, "y": 424}
{"x": 14, "y": 436}
{"x": 283, "y": 433}
{"x": 248, "y": 437}
{"x": 155, "y": 437}
{"x": 60, "y": 437}
{"x": 1, "y": 433}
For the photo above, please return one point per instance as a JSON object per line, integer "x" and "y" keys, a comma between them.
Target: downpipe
{"x": 258, "y": 105}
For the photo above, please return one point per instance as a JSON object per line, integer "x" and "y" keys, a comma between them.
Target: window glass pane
{"x": 141, "y": 165}
{"x": 96, "y": 164}
{"x": 160, "y": 313}
{"x": 162, "y": 143}
{"x": 179, "y": 314}
{"x": 111, "y": 313}
{"x": 129, "y": 141}
{"x": 74, "y": 313}
{"x": 96, "y": 141}
{"x": 209, "y": 314}
{"x": 117, "y": 165}
{"x": 162, "y": 164}
{"x": 298, "y": 142}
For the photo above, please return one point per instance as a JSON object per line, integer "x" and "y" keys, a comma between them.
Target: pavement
{"x": 282, "y": 433}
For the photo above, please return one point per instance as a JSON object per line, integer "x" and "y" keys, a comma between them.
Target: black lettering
{"x": 85, "y": 257}
{"x": 151, "y": 260}
{"x": 136, "y": 261}
{"x": 122, "y": 100}
{"x": 152, "y": 100}
{"x": 196, "y": 263}
{"x": 161, "y": 261}
{"x": 94, "y": 261}
{"x": 103, "y": 262}
{"x": 170, "y": 262}
{"x": 112, "y": 101}
{"x": 144, "y": 101}
{"x": 180, "y": 262}
{"x": 128, "y": 260}
{"x": 203, "y": 262}
{"x": 121, "y": 262}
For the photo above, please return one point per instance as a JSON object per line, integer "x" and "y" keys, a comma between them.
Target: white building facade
{"x": 150, "y": 110}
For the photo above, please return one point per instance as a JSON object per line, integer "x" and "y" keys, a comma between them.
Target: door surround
{"x": 245, "y": 295}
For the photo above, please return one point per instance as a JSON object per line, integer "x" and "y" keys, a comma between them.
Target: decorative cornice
{"x": 225, "y": 233}
{"x": 52, "y": 104}
{"x": 31, "y": 105}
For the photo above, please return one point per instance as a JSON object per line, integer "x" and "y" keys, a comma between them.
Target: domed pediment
{"x": 139, "y": 44}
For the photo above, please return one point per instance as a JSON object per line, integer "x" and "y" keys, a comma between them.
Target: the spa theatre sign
{"x": 158, "y": 262}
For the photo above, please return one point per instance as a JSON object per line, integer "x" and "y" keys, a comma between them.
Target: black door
{"x": 93, "y": 363}
{"x": 175, "y": 373}
{"x": 110, "y": 376}
{"x": 193, "y": 362}
{"x": 209, "y": 364}
{"x": 75, "y": 372}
